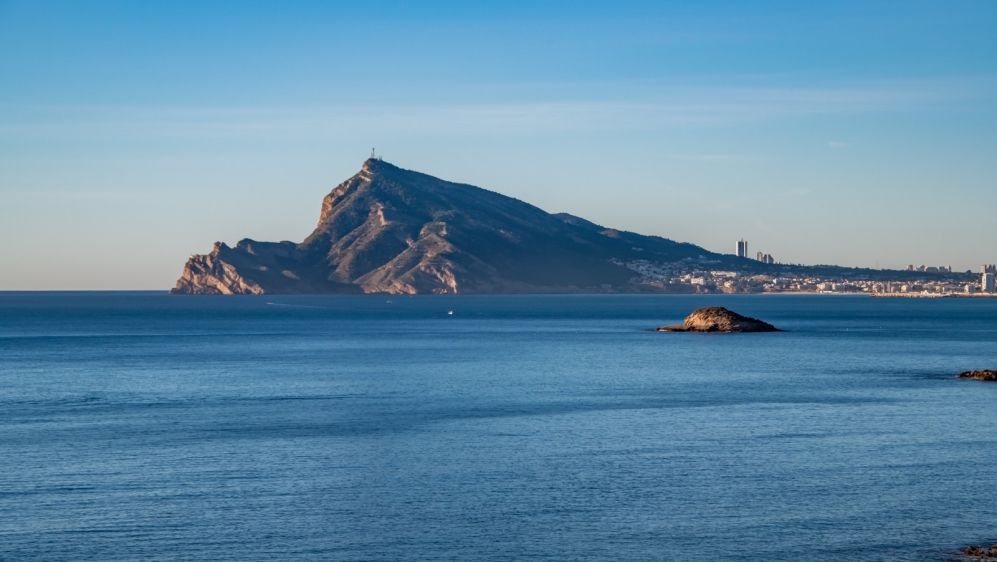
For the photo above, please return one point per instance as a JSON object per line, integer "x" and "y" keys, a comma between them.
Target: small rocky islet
{"x": 984, "y": 375}
{"x": 717, "y": 319}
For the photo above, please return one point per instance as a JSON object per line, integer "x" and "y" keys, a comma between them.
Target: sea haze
{"x": 140, "y": 426}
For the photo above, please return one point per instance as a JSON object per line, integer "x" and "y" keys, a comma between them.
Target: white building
{"x": 988, "y": 283}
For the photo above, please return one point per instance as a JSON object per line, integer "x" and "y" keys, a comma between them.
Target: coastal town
{"x": 709, "y": 276}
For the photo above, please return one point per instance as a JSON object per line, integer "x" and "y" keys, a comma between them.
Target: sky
{"x": 133, "y": 134}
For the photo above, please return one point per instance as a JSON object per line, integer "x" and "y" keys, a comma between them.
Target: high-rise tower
{"x": 742, "y": 248}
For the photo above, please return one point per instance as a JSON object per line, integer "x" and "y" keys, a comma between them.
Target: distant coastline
{"x": 934, "y": 295}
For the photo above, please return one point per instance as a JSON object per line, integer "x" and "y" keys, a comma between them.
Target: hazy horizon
{"x": 846, "y": 133}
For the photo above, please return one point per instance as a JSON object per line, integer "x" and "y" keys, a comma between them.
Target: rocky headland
{"x": 984, "y": 375}
{"x": 720, "y": 320}
{"x": 390, "y": 230}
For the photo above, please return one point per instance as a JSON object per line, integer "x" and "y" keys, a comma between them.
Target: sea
{"x": 142, "y": 426}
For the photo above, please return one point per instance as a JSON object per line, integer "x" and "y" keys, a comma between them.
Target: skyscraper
{"x": 742, "y": 248}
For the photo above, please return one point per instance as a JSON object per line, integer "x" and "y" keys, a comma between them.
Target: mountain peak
{"x": 376, "y": 164}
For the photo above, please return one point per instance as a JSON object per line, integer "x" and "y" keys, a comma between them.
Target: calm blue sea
{"x": 140, "y": 426}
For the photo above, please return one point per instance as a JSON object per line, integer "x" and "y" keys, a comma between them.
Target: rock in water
{"x": 979, "y": 375}
{"x": 719, "y": 319}
{"x": 980, "y": 552}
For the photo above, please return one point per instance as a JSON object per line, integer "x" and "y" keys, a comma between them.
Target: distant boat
{"x": 450, "y": 313}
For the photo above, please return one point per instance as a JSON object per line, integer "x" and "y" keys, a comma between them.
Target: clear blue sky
{"x": 133, "y": 134}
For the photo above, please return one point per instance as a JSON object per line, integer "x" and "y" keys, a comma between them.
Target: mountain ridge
{"x": 390, "y": 230}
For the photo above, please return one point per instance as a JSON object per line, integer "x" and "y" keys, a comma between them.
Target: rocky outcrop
{"x": 979, "y": 375}
{"x": 719, "y": 319}
{"x": 981, "y": 552}
{"x": 209, "y": 274}
{"x": 389, "y": 230}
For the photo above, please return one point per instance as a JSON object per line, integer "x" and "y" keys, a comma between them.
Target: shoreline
{"x": 934, "y": 295}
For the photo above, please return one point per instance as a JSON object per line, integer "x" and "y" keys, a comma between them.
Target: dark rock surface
{"x": 719, "y": 319}
{"x": 979, "y": 375}
{"x": 389, "y": 230}
{"x": 981, "y": 552}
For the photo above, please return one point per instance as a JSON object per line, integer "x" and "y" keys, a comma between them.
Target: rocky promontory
{"x": 396, "y": 231}
{"x": 984, "y": 375}
{"x": 719, "y": 319}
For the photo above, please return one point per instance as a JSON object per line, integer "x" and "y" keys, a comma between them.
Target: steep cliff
{"x": 389, "y": 230}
